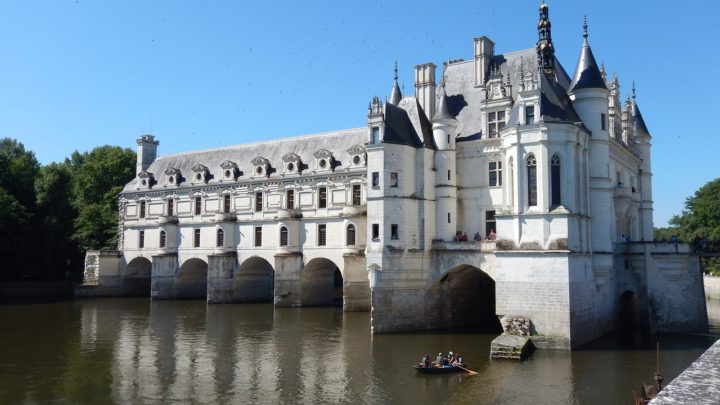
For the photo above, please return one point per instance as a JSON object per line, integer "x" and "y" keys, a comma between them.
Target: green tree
{"x": 98, "y": 178}
{"x": 14, "y": 228}
{"x": 665, "y": 234}
{"x": 18, "y": 168}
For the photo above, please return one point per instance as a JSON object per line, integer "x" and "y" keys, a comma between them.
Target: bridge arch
{"x": 255, "y": 280}
{"x": 136, "y": 277}
{"x": 627, "y": 309}
{"x": 463, "y": 296}
{"x": 191, "y": 279}
{"x": 321, "y": 283}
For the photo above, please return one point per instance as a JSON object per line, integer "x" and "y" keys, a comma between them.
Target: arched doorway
{"x": 136, "y": 277}
{"x": 191, "y": 281}
{"x": 321, "y": 284}
{"x": 255, "y": 281}
{"x": 463, "y": 297}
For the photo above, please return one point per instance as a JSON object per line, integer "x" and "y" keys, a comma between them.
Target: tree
{"x": 699, "y": 223}
{"x": 14, "y": 228}
{"x": 18, "y": 168}
{"x": 98, "y": 178}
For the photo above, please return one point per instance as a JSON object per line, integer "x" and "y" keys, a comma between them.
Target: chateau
{"x": 552, "y": 171}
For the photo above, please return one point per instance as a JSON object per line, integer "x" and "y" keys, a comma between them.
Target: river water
{"x": 137, "y": 351}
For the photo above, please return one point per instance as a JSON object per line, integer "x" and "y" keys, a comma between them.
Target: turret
{"x": 643, "y": 141}
{"x": 444, "y": 132}
{"x": 146, "y": 152}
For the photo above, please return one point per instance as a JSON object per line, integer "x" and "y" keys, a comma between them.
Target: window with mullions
{"x": 198, "y": 205}
{"x": 496, "y": 123}
{"x": 290, "y": 199}
{"x": 170, "y": 207}
{"x": 142, "y": 209}
{"x": 258, "y": 236}
{"x": 532, "y": 180}
{"x": 141, "y": 240}
{"x": 163, "y": 239}
{"x": 322, "y": 197}
{"x": 226, "y": 203}
{"x": 555, "y": 180}
{"x": 322, "y": 235}
{"x": 283, "y": 236}
{"x": 356, "y": 194}
{"x": 350, "y": 235}
{"x": 220, "y": 238}
{"x": 196, "y": 237}
{"x": 529, "y": 114}
{"x": 495, "y": 174}
{"x": 258, "y": 201}
{"x": 375, "y": 135}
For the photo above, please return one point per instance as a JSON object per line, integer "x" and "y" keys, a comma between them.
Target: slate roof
{"x": 336, "y": 142}
{"x": 587, "y": 74}
{"x": 638, "y": 122}
{"x": 399, "y": 129}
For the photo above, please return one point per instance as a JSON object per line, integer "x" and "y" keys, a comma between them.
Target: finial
{"x": 633, "y": 90}
{"x": 585, "y": 34}
{"x": 396, "y": 70}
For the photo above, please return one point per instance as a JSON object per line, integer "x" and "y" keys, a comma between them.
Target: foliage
{"x": 49, "y": 215}
{"x": 665, "y": 234}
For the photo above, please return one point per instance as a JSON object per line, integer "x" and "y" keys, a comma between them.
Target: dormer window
{"x": 529, "y": 114}
{"x": 496, "y": 123}
{"x": 173, "y": 178}
{"x": 262, "y": 167}
{"x": 324, "y": 160}
{"x": 147, "y": 180}
{"x": 201, "y": 174}
{"x": 230, "y": 171}
{"x": 357, "y": 156}
{"x": 292, "y": 164}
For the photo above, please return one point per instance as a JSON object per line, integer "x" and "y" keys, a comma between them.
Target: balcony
{"x": 168, "y": 220}
{"x": 289, "y": 214}
{"x": 225, "y": 217}
{"x": 480, "y": 246}
{"x": 354, "y": 210}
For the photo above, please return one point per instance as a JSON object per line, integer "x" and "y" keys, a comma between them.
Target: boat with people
{"x": 452, "y": 363}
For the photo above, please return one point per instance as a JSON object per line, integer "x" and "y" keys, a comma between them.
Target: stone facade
{"x": 552, "y": 172}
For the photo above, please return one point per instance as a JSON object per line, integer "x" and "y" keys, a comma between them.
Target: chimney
{"x": 146, "y": 152}
{"x": 484, "y": 50}
{"x": 425, "y": 88}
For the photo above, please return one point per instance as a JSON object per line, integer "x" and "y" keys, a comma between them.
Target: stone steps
{"x": 510, "y": 347}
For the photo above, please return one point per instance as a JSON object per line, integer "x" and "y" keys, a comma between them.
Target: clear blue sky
{"x": 200, "y": 74}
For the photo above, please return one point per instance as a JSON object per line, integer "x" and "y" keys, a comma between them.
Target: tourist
{"x": 491, "y": 235}
{"x": 426, "y": 361}
{"x": 458, "y": 361}
{"x": 477, "y": 237}
{"x": 464, "y": 237}
{"x": 439, "y": 360}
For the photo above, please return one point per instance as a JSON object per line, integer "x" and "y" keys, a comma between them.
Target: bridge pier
{"x": 356, "y": 286}
{"x": 164, "y": 269}
{"x": 287, "y": 279}
{"x": 222, "y": 268}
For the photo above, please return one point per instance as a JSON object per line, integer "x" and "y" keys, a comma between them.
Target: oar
{"x": 469, "y": 371}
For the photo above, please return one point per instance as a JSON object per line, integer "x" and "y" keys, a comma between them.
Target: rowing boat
{"x": 438, "y": 370}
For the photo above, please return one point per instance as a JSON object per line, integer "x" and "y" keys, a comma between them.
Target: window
{"x": 394, "y": 232}
{"x": 322, "y": 235}
{"x": 496, "y": 122}
{"x": 141, "y": 240}
{"x": 489, "y": 222}
{"x": 322, "y": 197}
{"x": 448, "y": 175}
{"x": 356, "y": 160}
{"x": 198, "y": 205}
{"x": 220, "y": 238}
{"x": 142, "y": 209}
{"x": 448, "y": 136}
{"x": 258, "y": 201}
{"x": 170, "y": 207}
{"x": 226, "y": 203}
{"x": 449, "y": 219}
{"x": 258, "y": 236}
{"x": 356, "y": 194}
{"x": 495, "y": 174}
{"x": 283, "y": 236}
{"x": 393, "y": 179}
{"x": 375, "y": 231}
{"x": 555, "y": 180}
{"x": 376, "y": 179}
{"x": 196, "y": 237}
{"x": 529, "y": 114}
{"x": 603, "y": 119}
{"x": 532, "y": 180}
{"x": 163, "y": 239}
{"x": 375, "y": 135}
{"x": 290, "y": 199}
{"x": 350, "y": 235}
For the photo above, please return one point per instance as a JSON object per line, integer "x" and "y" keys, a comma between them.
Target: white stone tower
{"x": 444, "y": 131}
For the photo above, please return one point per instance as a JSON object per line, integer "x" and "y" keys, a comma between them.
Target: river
{"x": 137, "y": 351}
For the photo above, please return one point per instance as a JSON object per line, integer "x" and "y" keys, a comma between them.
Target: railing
{"x": 482, "y": 246}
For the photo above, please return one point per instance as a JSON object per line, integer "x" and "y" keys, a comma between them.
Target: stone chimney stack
{"x": 425, "y": 88}
{"x": 146, "y": 152}
{"x": 484, "y": 50}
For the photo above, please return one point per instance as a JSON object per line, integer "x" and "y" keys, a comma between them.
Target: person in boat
{"x": 439, "y": 360}
{"x": 426, "y": 361}
{"x": 458, "y": 360}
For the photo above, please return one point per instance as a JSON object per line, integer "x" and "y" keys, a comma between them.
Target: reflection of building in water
{"x": 553, "y": 171}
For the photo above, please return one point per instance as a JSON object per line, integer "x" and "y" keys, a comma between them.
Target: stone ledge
{"x": 698, "y": 384}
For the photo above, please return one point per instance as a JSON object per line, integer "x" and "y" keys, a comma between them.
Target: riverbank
{"x": 10, "y": 290}
{"x": 712, "y": 287}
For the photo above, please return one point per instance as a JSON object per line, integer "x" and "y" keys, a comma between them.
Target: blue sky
{"x": 201, "y": 74}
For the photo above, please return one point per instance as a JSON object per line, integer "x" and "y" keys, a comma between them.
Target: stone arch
{"x": 136, "y": 277}
{"x": 464, "y": 296}
{"x": 191, "y": 279}
{"x": 255, "y": 281}
{"x": 321, "y": 283}
{"x": 627, "y": 309}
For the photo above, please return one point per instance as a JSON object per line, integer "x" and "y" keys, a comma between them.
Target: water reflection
{"x": 139, "y": 351}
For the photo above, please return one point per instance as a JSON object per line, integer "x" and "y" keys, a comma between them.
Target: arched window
{"x": 163, "y": 239}
{"x": 350, "y": 235}
{"x": 555, "y": 180}
{"x": 283, "y": 236}
{"x": 220, "y": 238}
{"x": 532, "y": 180}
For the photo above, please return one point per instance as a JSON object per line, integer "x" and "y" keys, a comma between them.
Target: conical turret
{"x": 395, "y": 93}
{"x": 587, "y": 74}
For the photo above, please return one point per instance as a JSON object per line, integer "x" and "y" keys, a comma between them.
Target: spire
{"x": 544, "y": 46}
{"x": 395, "y": 93}
{"x": 639, "y": 127}
{"x": 587, "y": 74}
